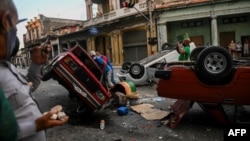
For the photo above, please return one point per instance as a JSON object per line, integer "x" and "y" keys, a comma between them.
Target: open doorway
{"x": 243, "y": 40}
{"x": 198, "y": 40}
{"x": 226, "y": 38}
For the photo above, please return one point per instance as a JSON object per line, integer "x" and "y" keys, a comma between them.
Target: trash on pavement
{"x": 149, "y": 113}
{"x": 122, "y": 111}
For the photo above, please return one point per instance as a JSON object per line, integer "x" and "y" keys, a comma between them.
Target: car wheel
{"x": 136, "y": 71}
{"x": 195, "y": 52}
{"x": 214, "y": 63}
{"x": 47, "y": 72}
{"x": 126, "y": 65}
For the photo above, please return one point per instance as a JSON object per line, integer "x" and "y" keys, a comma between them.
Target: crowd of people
{"x": 238, "y": 50}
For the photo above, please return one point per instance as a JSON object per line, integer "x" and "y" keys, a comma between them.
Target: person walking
{"x": 17, "y": 88}
{"x": 246, "y": 49}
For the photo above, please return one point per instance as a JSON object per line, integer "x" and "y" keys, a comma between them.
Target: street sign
{"x": 93, "y": 30}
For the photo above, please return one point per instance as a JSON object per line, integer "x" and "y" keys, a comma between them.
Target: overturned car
{"x": 83, "y": 78}
{"x": 212, "y": 78}
{"x": 143, "y": 71}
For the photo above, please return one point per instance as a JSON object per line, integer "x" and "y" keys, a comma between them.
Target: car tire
{"x": 136, "y": 71}
{"x": 214, "y": 64}
{"x": 195, "y": 52}
{"x": 126, "y": 66}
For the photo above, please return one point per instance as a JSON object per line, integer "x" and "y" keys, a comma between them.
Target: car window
{"x": 87, "y": 61}
{"x": 153, "y": 57}
{"x": 158, "y": 64}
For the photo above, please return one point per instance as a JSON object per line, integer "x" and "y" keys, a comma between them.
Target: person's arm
{"x": 29, "y": 128}
{"x": 181, "y": 50}
{"x": 45, "y": 121}
{"x": 39, "y": 56}
{"x": 34, "y": 75}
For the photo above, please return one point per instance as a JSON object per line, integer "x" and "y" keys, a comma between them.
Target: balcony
{"x": 117, "y": 14}
{"x": 177, "y": 3}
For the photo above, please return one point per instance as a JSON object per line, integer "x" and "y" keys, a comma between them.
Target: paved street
{"x": 195, "y": 126}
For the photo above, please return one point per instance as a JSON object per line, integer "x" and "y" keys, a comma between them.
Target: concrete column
{"x": 120, "y": 48}
{"x": 117, "y": 4}
{"x": 89, "y": 9}
{"x": 116, "y": 47}
{"x": 214, "y": 31}
{"x": 91, "y": 43}
{"x": 93, "y": 46}
{"x": 115, "y": 50}
{"x": 162, "y": 35}
{"x": 88, "y": 44}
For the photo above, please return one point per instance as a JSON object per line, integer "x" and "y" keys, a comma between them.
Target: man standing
{"x": 246, "y": 48}
{"x": 16, "y": 87}
{"x": 239, "y": 49}
{"x": 184, "y": 48}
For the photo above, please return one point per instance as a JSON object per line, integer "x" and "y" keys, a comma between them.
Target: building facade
{"x": 123, "y": 33}
{"x": 39, "y": 28}
{"x": 208, "y": 22}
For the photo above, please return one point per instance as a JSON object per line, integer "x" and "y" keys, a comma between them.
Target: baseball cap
{"x": 92, "y": 52}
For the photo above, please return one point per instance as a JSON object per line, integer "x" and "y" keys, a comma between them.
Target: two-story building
{"x": 39, "y": 28}
{"x": 208, "y": 22}
{"x": 123, "y": 33}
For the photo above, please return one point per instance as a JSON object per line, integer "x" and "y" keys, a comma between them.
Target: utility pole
{"x": 149, "y": 4}
{"x": 151, "y": 39}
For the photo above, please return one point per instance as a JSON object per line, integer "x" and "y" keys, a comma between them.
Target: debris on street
{"x": 149, "y": 113}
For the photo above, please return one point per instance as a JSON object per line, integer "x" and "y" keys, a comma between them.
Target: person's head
{"x": 186, "y": 39}
{"x": 8, "y": 21}
{"x": 92, "y": 53}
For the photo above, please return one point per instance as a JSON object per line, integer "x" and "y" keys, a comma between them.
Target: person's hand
{"x": 45, "y": 121}
{"x": 179, "y": 45}
{"x": 39, "y": 55}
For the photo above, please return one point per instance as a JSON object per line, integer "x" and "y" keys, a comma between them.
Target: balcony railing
{"x": 177, "y": 3}
{"x": 117, "y": 14}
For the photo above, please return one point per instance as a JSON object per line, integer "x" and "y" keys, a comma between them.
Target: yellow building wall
{"x": 115, "y": 40}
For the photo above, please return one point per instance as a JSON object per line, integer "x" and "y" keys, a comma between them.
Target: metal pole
{"x": 142, "y": 14}
{"x": 150, "y": 20}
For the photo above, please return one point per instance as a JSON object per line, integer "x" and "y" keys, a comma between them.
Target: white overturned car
{"x": 143, "y": 72}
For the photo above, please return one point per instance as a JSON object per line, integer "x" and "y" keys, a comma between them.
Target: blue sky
{"x": 68, "y": 9}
